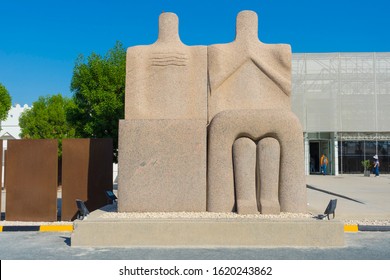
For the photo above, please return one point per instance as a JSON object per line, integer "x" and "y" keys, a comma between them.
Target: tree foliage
{"x": 5, "y": 103}
{"x": 98, "y": 86}
{"x": 47, "y": 119}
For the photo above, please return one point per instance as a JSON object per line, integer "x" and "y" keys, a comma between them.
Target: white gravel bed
{"x": 367, "y": 222}
{"x": 199, "y": 215}
{"x": 110, "y": 213}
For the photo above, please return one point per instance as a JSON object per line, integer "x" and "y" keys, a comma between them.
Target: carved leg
{"x": 268, "y": 158}
{"x": 226, "y": 127}
{"x": 244, "y": 168}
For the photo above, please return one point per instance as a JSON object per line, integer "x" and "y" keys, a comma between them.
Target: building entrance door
{"x": 314, "y": 157}
{"x": 317, "y": 148}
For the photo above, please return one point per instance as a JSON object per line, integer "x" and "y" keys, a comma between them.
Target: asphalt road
{"x": 56, "y": 246}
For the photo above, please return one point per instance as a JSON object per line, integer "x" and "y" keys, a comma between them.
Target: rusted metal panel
{"x": 31, "y": 184}
{"x": 75, "y": 153}
{"x": 100, "y": 177}
{"x": 86, "y": 174}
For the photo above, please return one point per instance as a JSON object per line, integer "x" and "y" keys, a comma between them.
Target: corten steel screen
{"x": 32, "y": 179}
{"x": 86, "y": 174}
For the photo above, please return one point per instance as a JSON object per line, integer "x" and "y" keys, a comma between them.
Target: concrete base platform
{"x": 100, "y": 231}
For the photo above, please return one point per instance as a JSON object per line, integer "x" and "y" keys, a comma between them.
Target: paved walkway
{"x": 358, "y": 197}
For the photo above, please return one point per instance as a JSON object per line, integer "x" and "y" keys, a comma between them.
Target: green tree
{"x": 47, "y": 119}
{"x": 98, "y": 86}
{"x": 5, "y": 103}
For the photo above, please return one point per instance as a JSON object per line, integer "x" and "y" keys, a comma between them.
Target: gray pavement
{"x": 55, "y": 246}
{"x": 361, "y": 199}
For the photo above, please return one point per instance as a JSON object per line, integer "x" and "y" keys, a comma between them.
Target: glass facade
{"x": 342, "y": 101}
{"x": 352, "y": 153}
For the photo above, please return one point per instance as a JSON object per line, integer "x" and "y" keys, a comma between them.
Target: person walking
{"x": 323, "y": 164}
{"x": 376, "y": 165}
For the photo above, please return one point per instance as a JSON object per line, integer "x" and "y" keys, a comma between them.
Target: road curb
{"x": 357, "y": 227}
{"x": 351, "y": 228}
{"x": 373, "y": 228}
{"x": 40, "y": 228}
{"x": 69, "y": 228}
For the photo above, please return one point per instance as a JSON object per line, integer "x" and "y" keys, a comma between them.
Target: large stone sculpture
{"x": 162, "y": 141}
{"x": 238, "y": 95}
{"x": 255, "y": 145}
{"x": 249, "y": 96}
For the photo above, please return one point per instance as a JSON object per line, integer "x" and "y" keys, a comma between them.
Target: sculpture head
{"x": 168, "y": 28}
{"x": 247, "y": 26}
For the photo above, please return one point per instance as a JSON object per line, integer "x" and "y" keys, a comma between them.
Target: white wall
{"x": 11, "y": 124}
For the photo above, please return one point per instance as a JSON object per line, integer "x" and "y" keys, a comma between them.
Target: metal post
{"x": 307, "y": 154}
{"x": 336, "y": 154}
{"x": 376, "y": 106}
{"x": 341, "y": 152}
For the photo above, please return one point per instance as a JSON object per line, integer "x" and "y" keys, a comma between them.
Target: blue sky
{"x": 41, "y": 39}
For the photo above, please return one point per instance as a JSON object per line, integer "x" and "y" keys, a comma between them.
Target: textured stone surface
{"x": 256, "y": 175}
{"x": 248, "y": 74}
{"x": 96, "y": 231}
{"x": 162, "y": 143}
{"x": 162, "y": 165}
{"x": 249, "y": 95}
{"x": 166, "y": 80}
{"x": 244, "y": 162}
{"x": 268, "y": 153}
{"x": 226, "y": 127}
